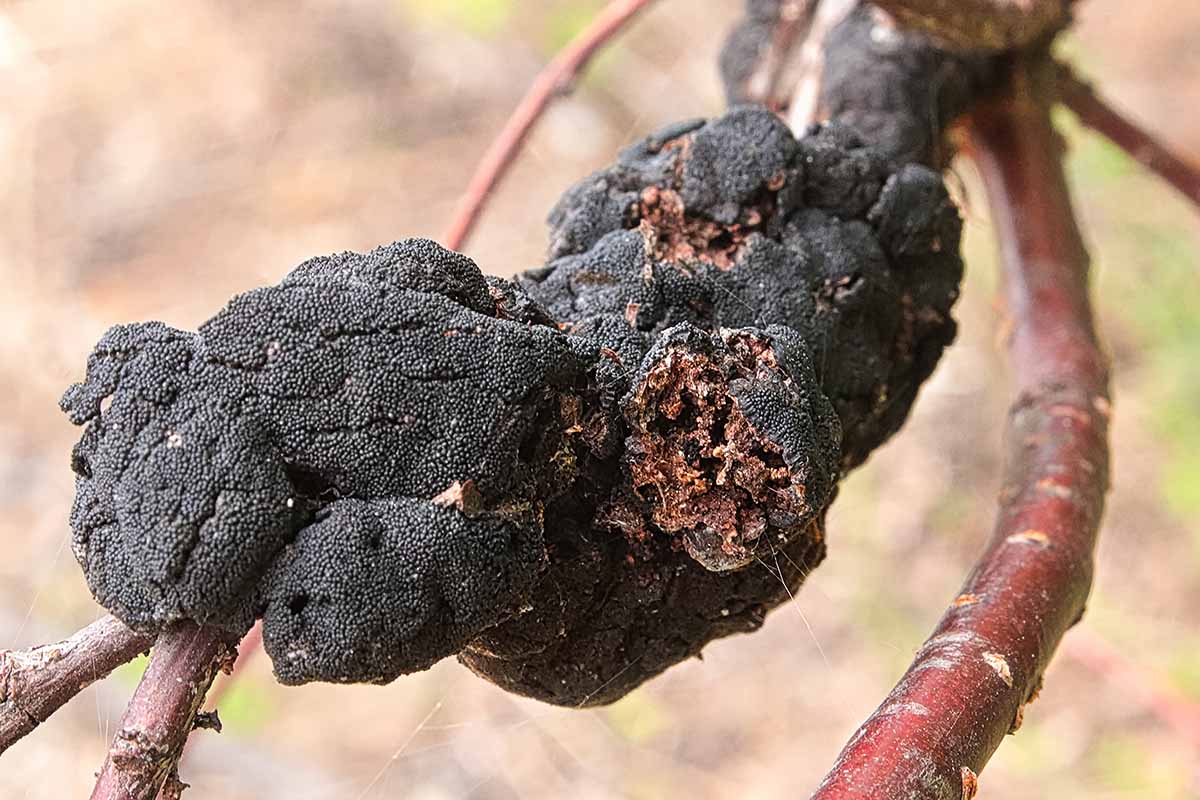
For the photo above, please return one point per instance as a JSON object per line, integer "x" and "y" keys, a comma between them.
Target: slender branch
{"x": 162, "y": 712}
{"x": 981, "y": 25}
{"x": 35, "y": 683}
{"x": 968, "y": 684}
{"x": 554, "y": 80}
{"x": 1095, "y": 113}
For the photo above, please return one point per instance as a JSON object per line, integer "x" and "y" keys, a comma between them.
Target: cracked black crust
{"x": 209, "y": 457}
{"x": 373, "y": 587}
{"x": 393, "y": 458}
{"x": 860, "y": 258}
{"x": 852, "y": 263}
{"x": 768, "y": 378}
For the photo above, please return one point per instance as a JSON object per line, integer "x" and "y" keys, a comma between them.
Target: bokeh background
{"x": 157, "y": 157}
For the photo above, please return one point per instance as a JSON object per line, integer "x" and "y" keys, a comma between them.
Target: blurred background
{"x": 157, "y": 157}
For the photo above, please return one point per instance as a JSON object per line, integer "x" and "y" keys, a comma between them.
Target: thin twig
{"x": 1092, "y": 110}
{"x": 162, "y": 712}
{"x": 981, "y": 25}
{"x": 551, "y": 82}
{"x": 35, "y": 683}
{"x": 969, "y": 683}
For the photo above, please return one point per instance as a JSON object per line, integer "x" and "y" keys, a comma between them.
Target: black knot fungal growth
{"x": 821, "y": 235}
{"x": 892, "y": 85}
{"x": 305, "y": 430}
{"x": 732, "y": 447}
{"x": 573, "y": 480}
{"x": 373, "y": 588}
{"x": 784, "y": 318}
{"x": 897, "y": 88}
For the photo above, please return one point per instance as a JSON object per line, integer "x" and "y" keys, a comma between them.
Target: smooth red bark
{"x": 969, "y": 683}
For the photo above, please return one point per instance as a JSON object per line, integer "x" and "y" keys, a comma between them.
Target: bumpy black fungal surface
{"x": 746, "y": 48}
{"x": 306, "y": 429}
{"x": 375, "y": 588}
{"x": 820, "y": 235}
{"x": 895, "y": 87}
{"x": 732, "y": 444}
{"x": 574, "y": 480}
{"x": 790, "y": 297}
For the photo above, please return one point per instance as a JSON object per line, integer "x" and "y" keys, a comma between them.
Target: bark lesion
{"x": 699, "y": 470}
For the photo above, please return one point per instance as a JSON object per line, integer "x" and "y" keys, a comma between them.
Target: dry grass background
{"x": 156, "y": 157}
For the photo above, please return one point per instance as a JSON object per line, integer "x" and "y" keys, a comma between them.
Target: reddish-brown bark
{"x": 162, "y": 712}
{"x": 1095, "y": 113}
{"x": 553, "y": 81}
{"x": 35, "y": 683}
{"x": 968, "y": 685}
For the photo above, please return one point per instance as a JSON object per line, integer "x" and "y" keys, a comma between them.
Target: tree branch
{"x": 554, "y": 80}
{"x": 981, "y": 25}
{"x": 35, "y": 683}
{"x": 968, "y": 685}
{"x": 162, "y": 712}
{"x": 1095, "y": 113}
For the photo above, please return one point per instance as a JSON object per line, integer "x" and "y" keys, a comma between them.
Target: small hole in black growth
{"x": 297, "y": 603}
